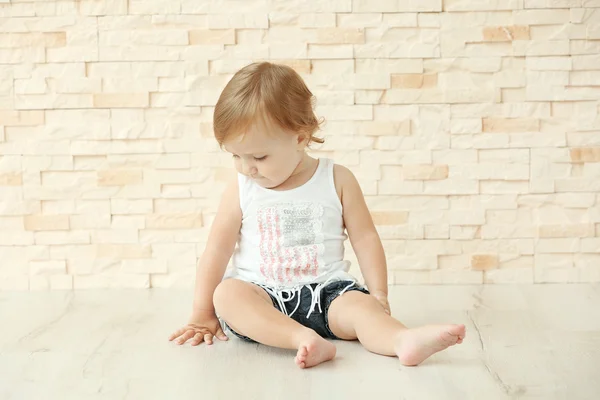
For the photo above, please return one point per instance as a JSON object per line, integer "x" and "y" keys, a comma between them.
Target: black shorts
{"x": 317, "y": 320}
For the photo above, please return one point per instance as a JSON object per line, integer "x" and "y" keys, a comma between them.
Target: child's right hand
{"x": 203, "y": 327}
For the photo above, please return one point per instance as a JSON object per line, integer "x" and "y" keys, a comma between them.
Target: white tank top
{"x": 291, "y": 238}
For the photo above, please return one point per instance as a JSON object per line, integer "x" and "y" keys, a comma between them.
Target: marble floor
{"x": 523, "y": 342}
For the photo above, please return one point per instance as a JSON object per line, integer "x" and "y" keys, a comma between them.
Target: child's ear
{"x": 303, "y": 140}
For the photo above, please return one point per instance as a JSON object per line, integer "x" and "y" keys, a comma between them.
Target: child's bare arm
{"x": 203, "y": 325}
{"x": 361, "y": 231}
{"x": 219, "y": 248}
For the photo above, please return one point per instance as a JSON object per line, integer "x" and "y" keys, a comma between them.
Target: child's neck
{"x": 305, "y": 169}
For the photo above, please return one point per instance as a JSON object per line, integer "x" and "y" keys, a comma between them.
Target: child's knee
{"x": 224, "y": 294}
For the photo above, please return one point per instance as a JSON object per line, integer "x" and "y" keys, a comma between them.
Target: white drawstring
{"x": 291, "y": 293}
{"x": 278, "y": 295}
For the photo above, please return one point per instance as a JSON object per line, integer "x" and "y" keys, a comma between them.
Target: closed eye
{"x": 260, "y": 158}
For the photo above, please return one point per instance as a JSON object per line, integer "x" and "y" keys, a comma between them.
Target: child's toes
{"x": 302, "y": 353}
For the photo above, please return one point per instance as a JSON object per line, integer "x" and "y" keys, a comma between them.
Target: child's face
{"x": 267, "y": 154}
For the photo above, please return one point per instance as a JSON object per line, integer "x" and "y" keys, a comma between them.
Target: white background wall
{"x": 472, "y": 125}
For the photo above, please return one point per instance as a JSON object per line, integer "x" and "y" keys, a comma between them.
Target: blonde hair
{"x": 265, "y": 91}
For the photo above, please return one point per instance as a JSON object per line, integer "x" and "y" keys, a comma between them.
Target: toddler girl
{"x": 288, "y": 214}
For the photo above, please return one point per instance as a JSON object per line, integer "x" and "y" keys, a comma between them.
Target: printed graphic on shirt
{"x": 291, "y": 241}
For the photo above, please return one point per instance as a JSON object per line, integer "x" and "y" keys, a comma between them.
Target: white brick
{"x": 549, "y": 63}
{"x": 482, "y": 5}
{"x": 395, "y": 6}
{"x": 541, "y": 17}
{"x": 47, "y": 267}
{"x": 359, "y": 20}
{"x": 566, "y": 245}
{"x": 129, "y": 207}
{"x": 144, "y": 266}
{"x": 318, "y": 51}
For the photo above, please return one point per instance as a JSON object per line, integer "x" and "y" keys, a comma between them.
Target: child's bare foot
{"x": 314, "y": 351}
{"x": 413, "y": 346}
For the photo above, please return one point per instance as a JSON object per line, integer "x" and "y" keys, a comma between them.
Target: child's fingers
{"x": 221, "y": 335}
{"x": 198, "y": 338}
{"x": 177, "y": 333}
{"x": 208, "y": 338}
{"x": 185, "y": 337}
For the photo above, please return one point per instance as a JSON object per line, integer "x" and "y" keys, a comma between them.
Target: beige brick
{"x": 213, "y": 36}
{"x": 484, "y": 262}
{"x": 119, "y": 177}
{"x": 413, "y": 262}
{"x": 143, "y": 37}
{"x": 11, "y": 179}
{"x": 317, "y": 20}
{"x": 324, "y": 51}
{"x": 454, "y": 262}
{"x": 541, "y": 17}
{"x": 46, "y": 222}
{"x": 509, "y": 276}
{"x": 482, "y": 170}
{"x": 552, "y": 246}
{"x": 90, "y": 221}
{"x": 62, "y": 237}
{"x": 590, "y": 245}
{"x": 389, "y": 66}
{"x": 414, "y": 81}
{"x": 450, "y": 186}
{"x": 511, "y": 125}
{"x": 123, "y": 251}
{"x": 131, "y": 206}
{"x": 566, "y": 231}
{"x": 425, "y": 172}
{"x": 359, "y": 20}
{"x": 405, "y": 20}
{"x": 389, "y": 217}
{"x": 549, "y": 63}
{"x": 174, "y": 206}
{"x": 505, "y": 33}
{"x": 240, "y": 21}
{"x": 300, "y": 66}
{"x": 121, "y": 85}
{"x": 465, "y": 125}
{"x": 174, "y": 221}
{"x": 346, "y": 113}
{"x": 34, "y": 39}
{"x": 339, "y": 36}
{"x": 551, "y": 3}
{"x": 482, "y": 5}
{"x": 122, "y": 100}
{"x": 589, "y": 154}
{"x": 394, "y": 6}
{"x": 21, "y": 118}
{"x": 50, "y": 267}
{"x": 16, "y": 238}
{"x": 61, "y": 282}
{"x": 437, "y": 232}
{"x": 103, "y": 7}
{"x": 128, "y": 222}
{"x": 144, "y": 266}
{"x": 465, "y": 232}
{"x": 114, "y": 236}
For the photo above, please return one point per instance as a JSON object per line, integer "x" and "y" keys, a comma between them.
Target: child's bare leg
{"x": 249, "y": 311}
{"x": 356, "y": 315}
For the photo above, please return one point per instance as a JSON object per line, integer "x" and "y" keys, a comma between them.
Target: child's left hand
{"x": 383, "y": 300}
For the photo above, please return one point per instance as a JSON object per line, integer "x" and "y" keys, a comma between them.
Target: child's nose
{"x": 248, "y": 169}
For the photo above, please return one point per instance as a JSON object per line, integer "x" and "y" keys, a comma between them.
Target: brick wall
{"x": 472, "y": 125}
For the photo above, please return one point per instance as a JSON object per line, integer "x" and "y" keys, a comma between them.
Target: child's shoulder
{"x": 344, "y": 180}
